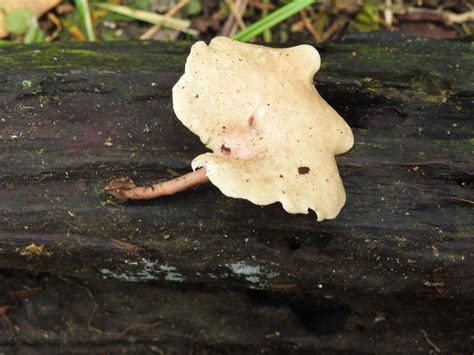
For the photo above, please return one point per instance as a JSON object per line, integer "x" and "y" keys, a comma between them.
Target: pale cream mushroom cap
{"x": 273, "y": 136}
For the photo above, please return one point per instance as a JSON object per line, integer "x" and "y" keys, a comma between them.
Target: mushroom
{"x": 272, "y": 136}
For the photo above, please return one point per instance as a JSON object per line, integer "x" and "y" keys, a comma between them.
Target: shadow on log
{"x": 204, "y": 273}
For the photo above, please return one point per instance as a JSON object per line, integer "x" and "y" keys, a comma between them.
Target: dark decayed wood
{"x": 211, "y": 274}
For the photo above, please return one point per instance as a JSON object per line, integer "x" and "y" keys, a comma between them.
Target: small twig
{"x": 262, "y": 5}
{"x": 58, "y": 25}
{"x": 95, "y": 308}
{"x": 452, "y": 17}
{"x": 237, "y": 13}
{"x": 388, "y": 12}
{"x": 152, "y": 31}
{"x": 309, "y": 26}
{"x": 458, "y": 198}
{"x": 7, "y": 323}
{"x": 336, "y": 27}
{"x": 124, "y": 188}
{"x": 433, "y": 284}
{"x": 428, "y": 340}
{"x": 150, "y": 17}
{"x": 237, "y": 10}
{"x": 439, "y": 15}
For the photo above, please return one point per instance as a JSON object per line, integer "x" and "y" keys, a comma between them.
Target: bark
{"x": 393, "y": 271}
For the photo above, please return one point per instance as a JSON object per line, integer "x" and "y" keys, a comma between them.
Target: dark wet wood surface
{"x": 220, "y": 275}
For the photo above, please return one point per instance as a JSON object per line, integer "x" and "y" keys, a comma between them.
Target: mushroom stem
{"x": 166, "y": 188}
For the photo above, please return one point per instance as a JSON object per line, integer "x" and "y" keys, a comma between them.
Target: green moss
{"x": 110, "y": 56}
{"x": 370, "y": 144}
{"x": 83, "y": 52}
{"x": 468, "y": 55}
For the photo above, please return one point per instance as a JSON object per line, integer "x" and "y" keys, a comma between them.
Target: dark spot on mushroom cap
{"x": 225, "y": 150}
{"x": 250, "y": 120}
{"x": 303, "y": 170}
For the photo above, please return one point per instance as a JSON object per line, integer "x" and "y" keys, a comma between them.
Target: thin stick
{"x": 448, "y": 17}
{"x": 157, "y": 26}
{"x": 237, "y": 10}
{"x": 452, "y": 17}
{"x": 388, "y": 12}
{"x": 262, "y": 5}
{"x": 125, "y": 189}
{"x": 309, "y": 26}
{"x": 428, "y": 340}
{"x": 459, "y": 198}
{"x": 57, "y": 23}
{"x": 335, "y": 28}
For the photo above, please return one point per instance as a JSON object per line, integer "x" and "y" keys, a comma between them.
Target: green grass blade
{"x": 267, "y": 34}
{"x": 82, "y": 7}
{"x": 150, "y": 17}
{"x": 272, "y": 19}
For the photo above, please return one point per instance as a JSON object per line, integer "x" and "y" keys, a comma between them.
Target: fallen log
{"x": 205, "y": 273}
